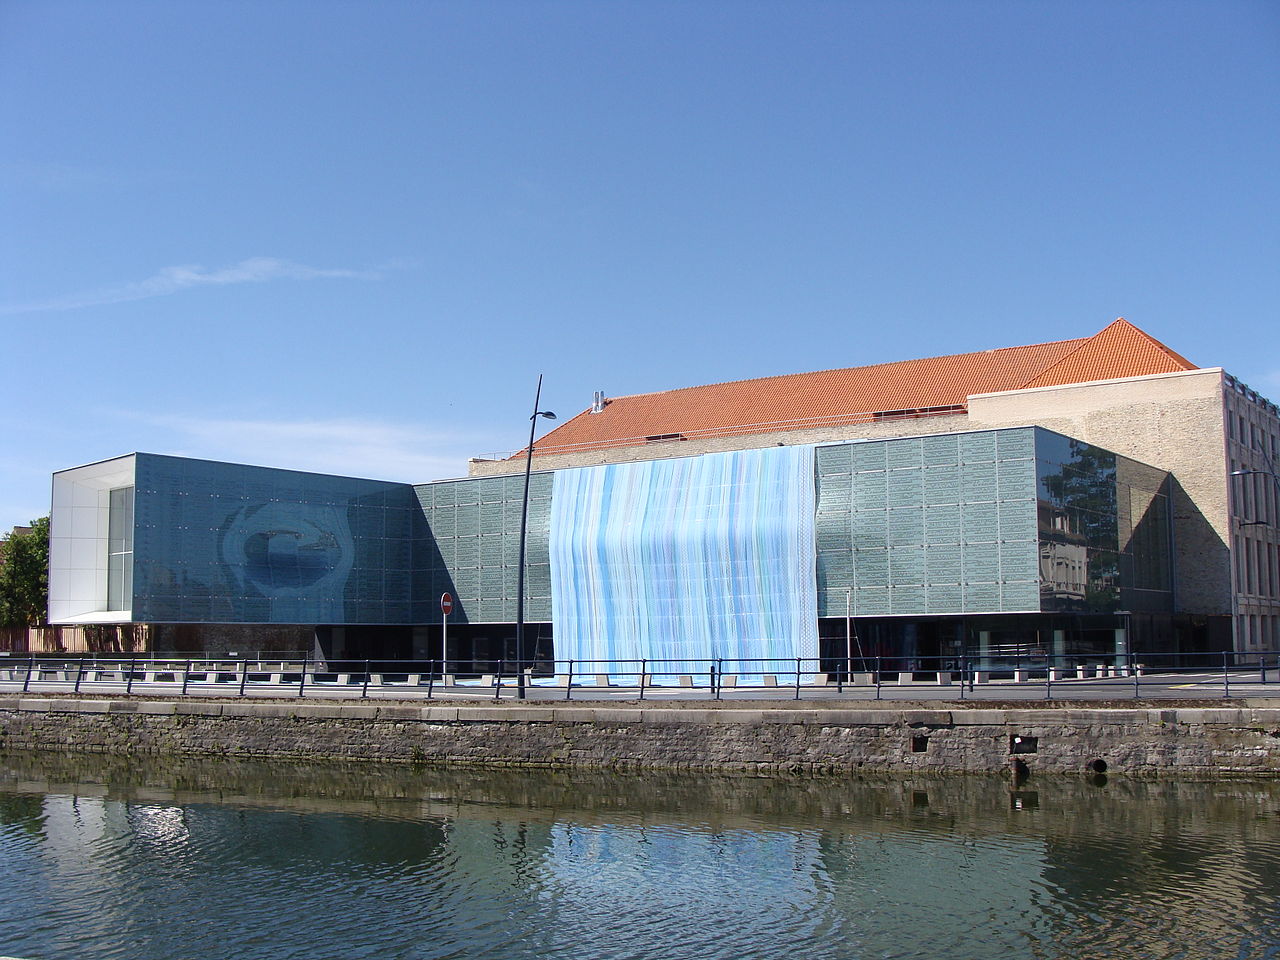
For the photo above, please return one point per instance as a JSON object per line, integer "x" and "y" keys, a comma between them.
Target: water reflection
{"x": 100, "y": 857}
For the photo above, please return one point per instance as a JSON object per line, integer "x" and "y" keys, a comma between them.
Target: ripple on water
{"x": 95, "y": 878}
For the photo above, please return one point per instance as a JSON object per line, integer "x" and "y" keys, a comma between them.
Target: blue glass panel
{"x": 232, "y": 543}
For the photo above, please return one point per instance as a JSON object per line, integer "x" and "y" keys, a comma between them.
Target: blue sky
{"x": 348, "y": 236}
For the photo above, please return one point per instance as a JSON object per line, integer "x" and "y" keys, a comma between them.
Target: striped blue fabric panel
{"x": 681, "y": 561}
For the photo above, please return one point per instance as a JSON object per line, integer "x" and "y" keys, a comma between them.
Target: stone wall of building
{"x": 1253, "y": 446}
{"x": 1240, "y": 740}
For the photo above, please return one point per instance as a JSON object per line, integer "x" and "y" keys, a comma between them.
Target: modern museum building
{"x": 1083, "y": 498}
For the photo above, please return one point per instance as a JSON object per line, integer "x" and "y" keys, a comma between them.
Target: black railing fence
{"x": 955, "y": 677}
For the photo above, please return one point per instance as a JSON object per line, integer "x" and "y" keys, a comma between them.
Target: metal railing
{"x": 1142, "y": 675}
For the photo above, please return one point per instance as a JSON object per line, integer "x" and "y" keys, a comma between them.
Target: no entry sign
{"x": 446, "y": 604}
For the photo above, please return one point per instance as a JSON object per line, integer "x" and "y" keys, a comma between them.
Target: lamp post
{"x": 1238, "y": 567}
{"x": 1251, "y": 472}
{"x": 524, "y": 522}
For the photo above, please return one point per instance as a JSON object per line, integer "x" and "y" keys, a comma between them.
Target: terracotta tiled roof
{"x": 1119, "y": 350}
{"x": 936, "y": 385}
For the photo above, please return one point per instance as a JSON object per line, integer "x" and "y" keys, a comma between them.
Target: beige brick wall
{"x": 1171, "y": 421}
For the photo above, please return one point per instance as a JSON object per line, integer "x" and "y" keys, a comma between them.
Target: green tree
{"x": 24, "y": 576}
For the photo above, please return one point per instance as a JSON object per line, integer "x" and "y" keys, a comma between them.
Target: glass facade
{"x": 1104, "y": 530}
{"x": 928, "y": 525}
{"x": 120, "y": 548}
{"x": 1003, "y": 521}
{"x": 220, "y": 542}
{"x": 1011, "y": 521}
{"x": 473, "y": 548}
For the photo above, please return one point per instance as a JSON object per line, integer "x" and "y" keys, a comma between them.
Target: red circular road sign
{"x": 446, "y": 604}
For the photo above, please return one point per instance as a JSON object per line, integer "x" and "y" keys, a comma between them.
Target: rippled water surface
{"x": 101, "y": 859}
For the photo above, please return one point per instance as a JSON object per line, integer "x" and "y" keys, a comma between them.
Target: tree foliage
{"x": 24, "y": 576}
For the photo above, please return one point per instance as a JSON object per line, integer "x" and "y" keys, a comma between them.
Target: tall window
{"x": 120, "y": 550}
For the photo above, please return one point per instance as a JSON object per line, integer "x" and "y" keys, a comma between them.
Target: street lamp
{"x": 524, "y": 521}
{"x": 1250, "y": 472}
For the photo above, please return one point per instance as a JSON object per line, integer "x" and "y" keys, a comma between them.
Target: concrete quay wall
{"x": 1241, "y": 740}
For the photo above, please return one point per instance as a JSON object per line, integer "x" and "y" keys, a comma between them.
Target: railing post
{"x": 364, "y": 689}
{"x": 244, "y": 675}
{"x": 431, "y": 677}
{"x": 1226, "y": 676}
{"x": 878, "y": 677}
{"x": 962, "y": 675}
{"x": 128, "y": 687}
{"x": 797, "y": 678}
{"x": 79, "y": 674}
{"x": 26, "y": 681}
{"x": 568, "y": 683}
{"x": 1048, "y": 677}
{"x": 302, "y": 680}
{"x": 644, "y": 671}
{"x": 497, "y": 687}
{"x": 716, "y": 667}
{"x": 1133, "y": 672}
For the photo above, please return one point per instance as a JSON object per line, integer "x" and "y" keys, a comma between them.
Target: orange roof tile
{"x": 1119, "y": 350}
{"x": 935, "y": 385}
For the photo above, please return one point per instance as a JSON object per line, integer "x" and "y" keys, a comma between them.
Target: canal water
{"x": 106, "y": 858}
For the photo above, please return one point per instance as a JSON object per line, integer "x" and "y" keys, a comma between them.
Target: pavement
{"x": 1172, "y": 686}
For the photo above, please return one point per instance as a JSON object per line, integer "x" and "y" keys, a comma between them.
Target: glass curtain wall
{"x": 923, "y": 526}
{"x": 120, "y": 549}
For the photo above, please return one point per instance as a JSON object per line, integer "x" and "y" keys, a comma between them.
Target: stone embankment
{"x": 1240, "y": 740}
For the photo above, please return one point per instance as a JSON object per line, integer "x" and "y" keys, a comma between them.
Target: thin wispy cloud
{"x": 343, "y": 446}
{"x": 177, "y": 279}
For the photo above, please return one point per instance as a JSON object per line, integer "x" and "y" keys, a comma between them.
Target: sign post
{"x": 446, "y": 608}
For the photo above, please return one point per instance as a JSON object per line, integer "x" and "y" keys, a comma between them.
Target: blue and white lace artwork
{"x": 679, "y": 562}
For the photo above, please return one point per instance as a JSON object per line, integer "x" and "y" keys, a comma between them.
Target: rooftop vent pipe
{"x": 597, "y": 404}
